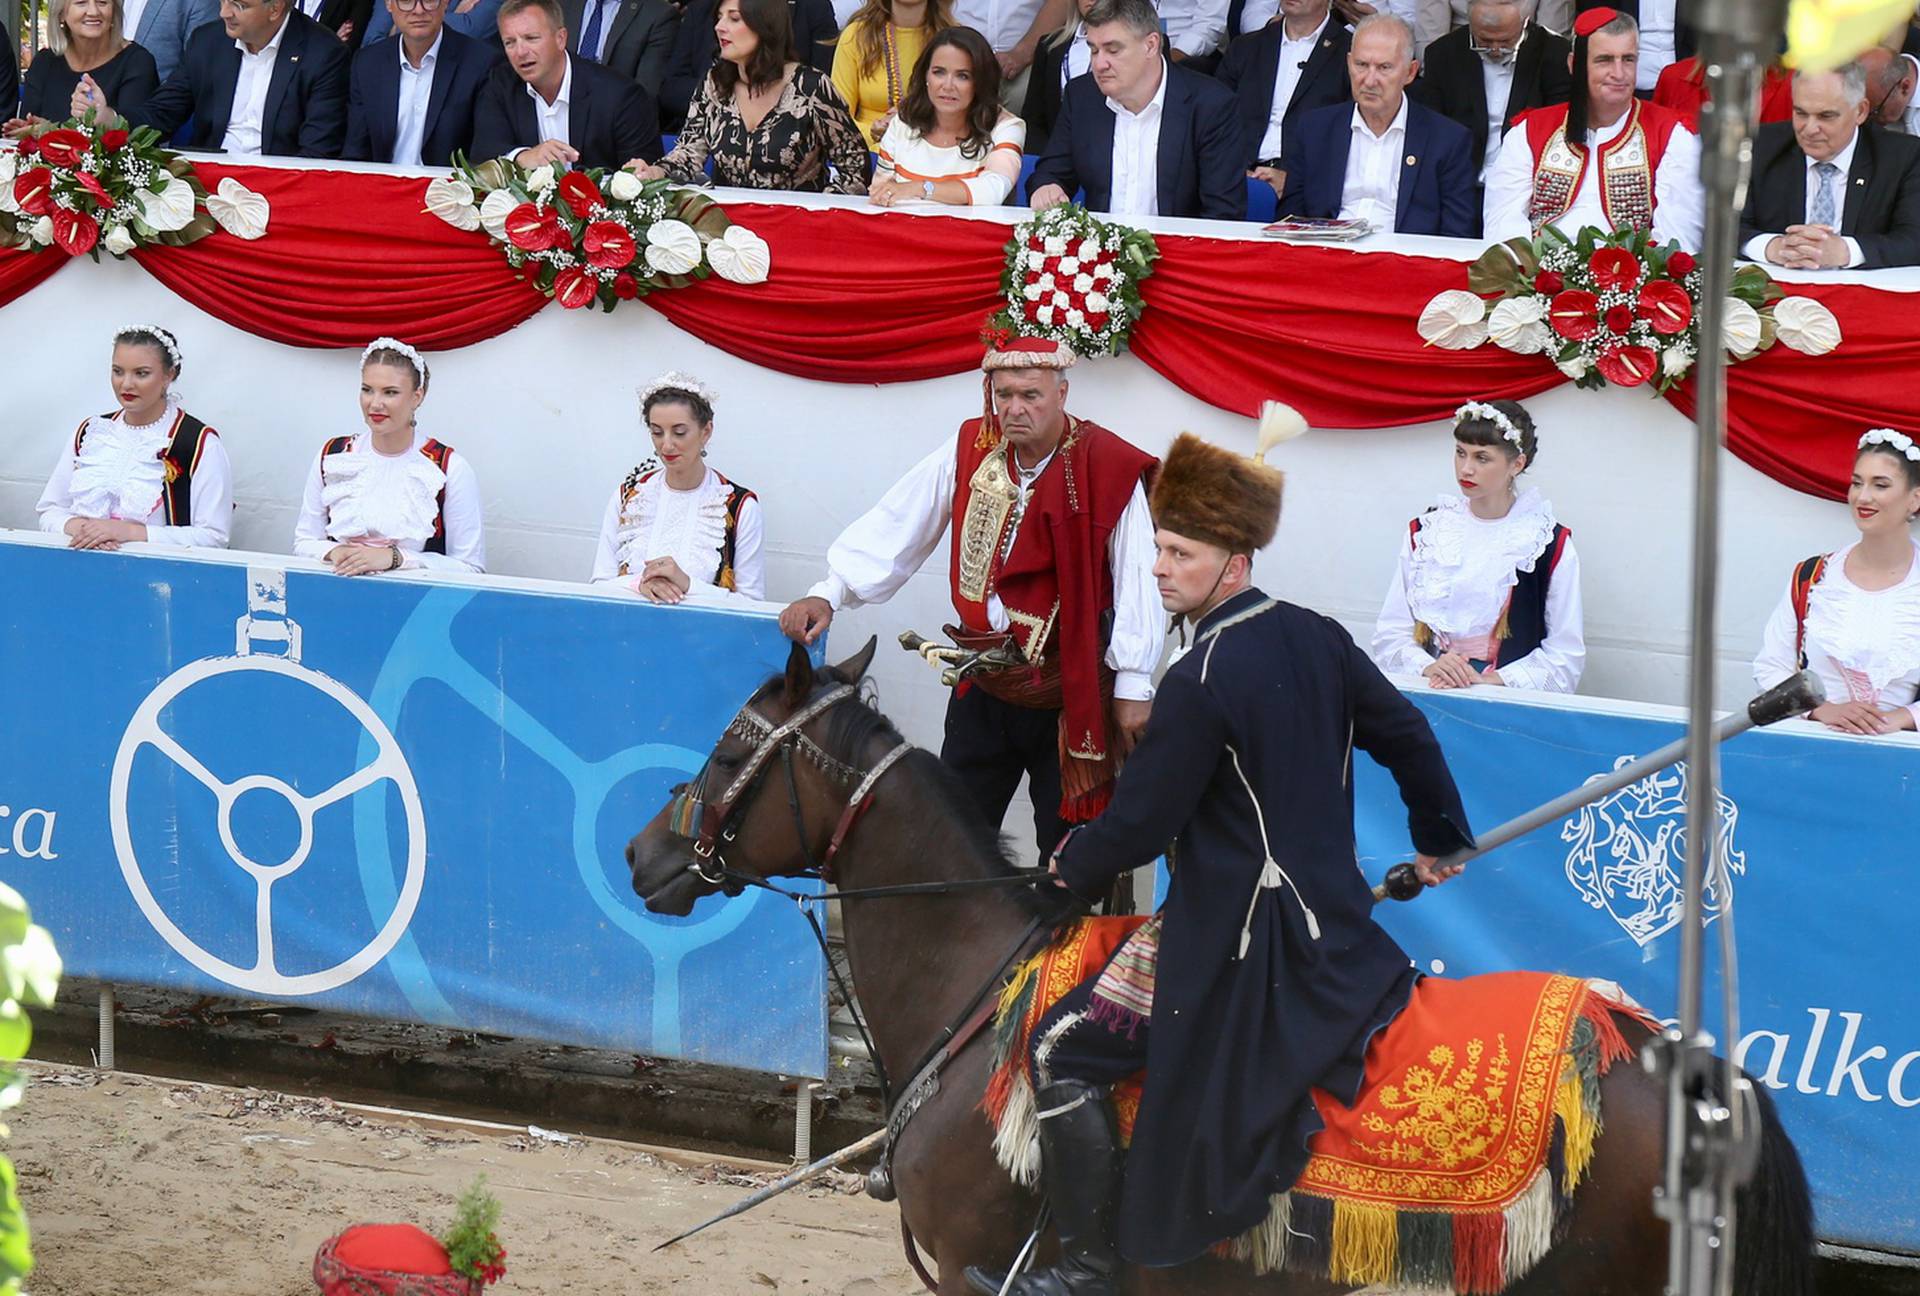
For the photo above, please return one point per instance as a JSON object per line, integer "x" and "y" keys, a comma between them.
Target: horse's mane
{"x": 854, "y": 725}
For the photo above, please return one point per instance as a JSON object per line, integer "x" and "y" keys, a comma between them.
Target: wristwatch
{"x": 926, "y": 188}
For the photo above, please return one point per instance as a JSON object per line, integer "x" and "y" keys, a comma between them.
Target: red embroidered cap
{"x": 1027, "y": 353}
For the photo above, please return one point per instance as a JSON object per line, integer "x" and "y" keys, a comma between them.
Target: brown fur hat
{"x": 1209, "y": 493}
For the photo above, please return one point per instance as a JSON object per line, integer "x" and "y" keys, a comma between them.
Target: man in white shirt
{"x": 1289, "y": 67}
{"x": 1891, "y": 81}
{"x": 1829, "y": 191}
{"x": 1015, "y": 29}
{"x": 1607, "y": 159}
{"x": 547, "y": 107}
{"x": 226, "y": 85}
{"x": 1485, "y": 74}
{"x": 414, "y": 93}
{"x": 1658, "y": 38}
{"x": 1038, "y": 501}
{"x": 1196, "y": 29}
{"x": 1435, "y": 18}
{"x": 1142, "y": 136}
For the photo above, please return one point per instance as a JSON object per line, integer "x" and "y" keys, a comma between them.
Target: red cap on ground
{"x": 386, "y": 1258}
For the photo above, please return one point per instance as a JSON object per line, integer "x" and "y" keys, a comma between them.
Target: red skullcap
{"x": 1593, "y": 20}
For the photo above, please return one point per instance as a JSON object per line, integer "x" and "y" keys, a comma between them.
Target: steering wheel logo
{"x": 388, "y": 764}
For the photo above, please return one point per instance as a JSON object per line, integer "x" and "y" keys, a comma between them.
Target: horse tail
{"x": 1774, "y": 1248}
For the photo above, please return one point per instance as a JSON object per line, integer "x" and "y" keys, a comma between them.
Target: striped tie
{"x": 1822, "y": 213}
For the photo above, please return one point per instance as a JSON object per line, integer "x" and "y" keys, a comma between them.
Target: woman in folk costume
{"x": 1606, "y": 159}
{"x": 1853, "y": 616}
{"x": 147, "y": 471}
{"x": 675, "y": 526}
{"x": 1264, "y": 976}
{"x": 1487, "y": 589}
{"x": 391, "y": 497}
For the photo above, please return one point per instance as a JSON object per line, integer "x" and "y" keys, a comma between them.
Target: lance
{"x": 1794, "y": 696}
{"x": 848, "y": 1153}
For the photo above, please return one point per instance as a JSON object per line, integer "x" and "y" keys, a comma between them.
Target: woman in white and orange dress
{"x": 1852, "y": 617}
{"x": 147, "y": 471}
{"x": 391, "y": 497}
{"x": 675, "y": 526}
{"x": 951, "y": 141}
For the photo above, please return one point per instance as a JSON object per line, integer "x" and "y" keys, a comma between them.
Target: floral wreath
{"x": 412, "y": 357}
{"x": 168, "y": 343}
{"x": 1895, "y": 442}
{"x": 1486, "y": 413}
{"x": 1074, "y": 278}
{"x": 675, "y": 380}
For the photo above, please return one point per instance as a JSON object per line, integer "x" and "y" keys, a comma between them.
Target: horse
{"x": 923, "y": 956}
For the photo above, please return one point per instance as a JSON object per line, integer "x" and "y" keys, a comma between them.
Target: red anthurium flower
{"x": 74, "y": 232}
{"x": 33, "y": 190}
{"x": 608, "y": 245}
{"x": 1628, "y": 366}
{"x": 1575, "y": 315}
{"x": 1548, "y": 282}
{"x": 64, "y": 147}
{"x": 1665, "y": 305}
{"x": 1681, "y": 263}
{"x": 113, "y": 141}
{"x": 580, "y": 193}
{"x": 574, "y": 288}
{"x": 1615, "y": 268}
{"x": 625, "y": 287}
{"x": 91, "y": 183}
{"x": 1619, "y": 319}
{"x": 531, "y": 229}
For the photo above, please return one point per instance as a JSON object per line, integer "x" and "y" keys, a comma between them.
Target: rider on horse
{"x": 1265, "y": 975}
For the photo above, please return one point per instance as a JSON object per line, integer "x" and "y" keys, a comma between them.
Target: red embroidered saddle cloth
{"x": 1476, "y": 1121}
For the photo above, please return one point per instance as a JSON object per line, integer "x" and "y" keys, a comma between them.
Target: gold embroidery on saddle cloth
{"x": 1513, "y": 1142}
{"x": 990, "y": 502}
{"x": 1626, "y": 179}
{"x": 1441, "y": 1114}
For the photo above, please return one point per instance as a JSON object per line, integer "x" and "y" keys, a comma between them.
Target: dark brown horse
{"x": 919, "y": 961}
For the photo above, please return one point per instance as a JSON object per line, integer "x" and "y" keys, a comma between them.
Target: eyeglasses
{"x": 416, "y": 6}
{"x": 1497, "y": 54}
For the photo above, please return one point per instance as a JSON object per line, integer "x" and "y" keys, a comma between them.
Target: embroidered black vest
{"x": 737, "y": 496}
{"x": 1522, "y": 627}
{"x": 182, "y": 456}
{"x": 435, "y": 450}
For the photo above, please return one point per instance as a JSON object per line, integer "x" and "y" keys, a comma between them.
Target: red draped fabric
{"x": 874, "y": 297}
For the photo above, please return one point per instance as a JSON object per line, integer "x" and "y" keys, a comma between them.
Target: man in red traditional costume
{"x": 1052, "y": 552}
{"x": 1606, "y": 159}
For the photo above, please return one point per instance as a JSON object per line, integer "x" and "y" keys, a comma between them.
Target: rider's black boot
{"x": 1080, "y": 1172}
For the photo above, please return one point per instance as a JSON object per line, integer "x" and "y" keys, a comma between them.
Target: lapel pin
{"x": 1412, "y": 160}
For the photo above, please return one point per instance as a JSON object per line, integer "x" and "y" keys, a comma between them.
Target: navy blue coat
{"x": 1252, "y": 65}
{"x": 1439, "y": 187}
{"x": 610, "y": 120}
{"x": 306, "y": 109}
{"x": 9, "y": 78}
{"x": 1237, "y": 1043}
{"x": 1201, "y": 172}
{"x": 373, "y": 106}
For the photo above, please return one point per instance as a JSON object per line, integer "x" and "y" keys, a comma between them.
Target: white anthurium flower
{"x": 1455, "y": 320}
{"x": 119, "y": 241}
{"x": 1806, "y": 326}
{"x": 541, "y": 179}
{"x": 740, "y": 256}
{"x": 494, "y": 209}
{"x": 672, "y": 247}
{"x": 1743, "y": 327}
{"x": 1518, "y": 324}
{"x": 238, "y": 210}
{"x": 623, "y": 186}
{"x": 452, "y": 201}
{"x": 170, "y": 209}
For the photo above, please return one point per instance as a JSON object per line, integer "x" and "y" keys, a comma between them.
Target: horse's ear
{"x": 799, "y": 682}
{"x": 854, "y": 668}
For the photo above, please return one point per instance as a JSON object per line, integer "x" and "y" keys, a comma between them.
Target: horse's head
{"x": 766, "y": 802}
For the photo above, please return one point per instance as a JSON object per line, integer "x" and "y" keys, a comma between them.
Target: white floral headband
{"x": 1897, "y": 442}
{"x": 414, "y": 358}
{"x": 1488, "y": 414}
{"x": 144, "y": 332}
{"x": 674, "y": 380}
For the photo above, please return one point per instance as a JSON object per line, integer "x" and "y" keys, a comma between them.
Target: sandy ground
{"x": 139, "y": 1185}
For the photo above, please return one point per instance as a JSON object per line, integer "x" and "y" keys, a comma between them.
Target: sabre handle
{"x": 1401, "y": 883}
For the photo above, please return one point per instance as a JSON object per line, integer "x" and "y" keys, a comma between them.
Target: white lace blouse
{"x": 1863, "y": 644}
{"x": 688, "y": 526}
{"x": 120, "y": 474}
{"x": 1456, "y": 577}
{"x": 361, "y": 494}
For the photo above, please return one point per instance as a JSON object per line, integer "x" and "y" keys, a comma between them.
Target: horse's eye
{"x": 727, "y": 762}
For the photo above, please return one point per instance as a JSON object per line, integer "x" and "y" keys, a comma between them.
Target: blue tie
{"x": 1822, "y": 212}
{"x": 590, "y": 38}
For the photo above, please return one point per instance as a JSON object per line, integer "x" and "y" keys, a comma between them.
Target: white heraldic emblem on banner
{"x": 1627, "y": 853}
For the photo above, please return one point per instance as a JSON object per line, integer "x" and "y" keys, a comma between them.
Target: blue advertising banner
{"x": 401, "y": 798}
{"x": 1819, "y": 838}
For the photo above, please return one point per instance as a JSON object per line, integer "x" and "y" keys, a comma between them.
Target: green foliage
{"x": 29, "y": 973}
{"x": 473, "y": 1247}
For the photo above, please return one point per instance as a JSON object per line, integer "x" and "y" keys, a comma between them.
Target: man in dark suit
{"x": 9, "y": 76}
{"x": 1500, "y": 54}
{"x": 545, "y": 106}
{"x": 1142, "y": 136}
{"x": 1828, "y": 191}
{"x": 814, "y": 31}
{"x": 346, "y": 19}
{"x": 265, "y": 79}
{"x": 413, "y": 95}
{"x": 1386, "y": 159}
{"x": 632, "y": 37}
{"x": 1291, "y": 66}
